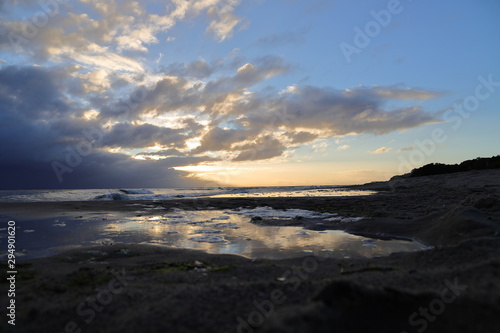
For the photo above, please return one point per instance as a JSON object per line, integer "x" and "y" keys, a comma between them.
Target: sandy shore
{"x": 128, "y": 288}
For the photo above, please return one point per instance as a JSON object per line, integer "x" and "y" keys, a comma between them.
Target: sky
{"x": 178, "y": 93}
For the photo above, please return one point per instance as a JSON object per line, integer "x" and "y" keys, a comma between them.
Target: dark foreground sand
{"x": 454, "y": 287}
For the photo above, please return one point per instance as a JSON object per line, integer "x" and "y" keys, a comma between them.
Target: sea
{"x": 173, "y": 193}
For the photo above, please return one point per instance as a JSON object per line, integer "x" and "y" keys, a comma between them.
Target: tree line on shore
{"x": 480, "y": 163}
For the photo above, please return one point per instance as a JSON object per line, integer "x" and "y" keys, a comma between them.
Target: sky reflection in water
{"x": 213, "y": 231}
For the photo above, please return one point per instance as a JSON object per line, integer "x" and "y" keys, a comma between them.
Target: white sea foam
{"x": 207, "y": 231}
{"x": 177, "y": 221}
{"x": 111, "y": 197}
{"x": 154, "y": 208}
{"x": 208, "y": 239}
{"x": 221, "y": 218}
{"x": 105, "y": 241}
{"x": 271, "y": 213}
{"x": 369, "y": 240}
{"x": 224, "y": 225}
{"x": 168, "y": 193}
{"x": 343, "y": 219}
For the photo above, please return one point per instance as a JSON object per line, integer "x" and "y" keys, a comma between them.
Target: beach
{"x": 450, "y": 286}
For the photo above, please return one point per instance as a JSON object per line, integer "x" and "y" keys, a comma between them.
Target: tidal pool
{"x": 213, "y": 231}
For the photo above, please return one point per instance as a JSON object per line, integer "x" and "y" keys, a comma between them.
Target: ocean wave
{"x": 143, "y": 191}
{"x": 111, "y": 196}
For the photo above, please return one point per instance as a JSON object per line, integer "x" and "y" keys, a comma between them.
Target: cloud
{"x": 161, "y": 153}
{"x": 39, "y": 126}
{"x": 320, "y": 147}
{"x": 248, "y": 75}
{"x": 330, "y": 111}
{"x": 113, "y": 36}
{"x": 33, "y": 93}
{"x": 45, "y": 110}
{"x": 109, "y": 61}
{"x": 381, "y": 150}
{"x": 198, "y": 69}
{"x": 406, "y": 94}
{"x": 218, "y": 139}
{"x": 98, "y": 69}
{"x": 293, "y": 117}
{"x": 125, "y": 135}
{"x": 95, "y": 73}
{"x": 301, "y": 137}
{"x": 263, "y": 148}
{"x": 215, "y": 97}
{"x": 396, "y": 92}
{"x": 98, "y": 170}
{"x": 223, "y": 21}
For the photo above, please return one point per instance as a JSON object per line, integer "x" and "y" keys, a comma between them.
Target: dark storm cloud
{"x": 99, "y": 170}
{"x": 38, "y": 127}
{"x": 32, "y": 92}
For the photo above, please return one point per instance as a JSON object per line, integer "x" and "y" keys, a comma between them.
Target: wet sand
{"x": 130, "y": 288}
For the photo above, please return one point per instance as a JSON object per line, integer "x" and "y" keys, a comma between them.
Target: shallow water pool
{"x": 212, "y": 231}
